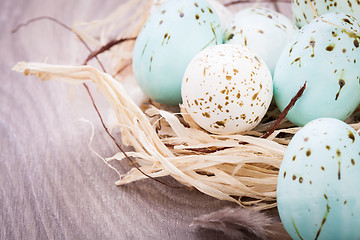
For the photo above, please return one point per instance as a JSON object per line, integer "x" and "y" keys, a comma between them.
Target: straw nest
{"x": 239, "y": 168}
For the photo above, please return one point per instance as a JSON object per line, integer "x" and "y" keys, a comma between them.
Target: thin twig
{"x": 116, "y": 142}
{"x": 107, "y": 47}
{"x": 285, "y": 112}
{"x": 37, "y": 19}
{"x": 64, "y": 26}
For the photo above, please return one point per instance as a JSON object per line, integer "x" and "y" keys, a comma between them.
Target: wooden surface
{"x": 52, "y": 185}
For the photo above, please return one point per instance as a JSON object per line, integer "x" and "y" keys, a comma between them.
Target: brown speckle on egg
{"x": 325, "y": 196}
{"x": 298, "y": 59}
{"x": 220, "y": 123}
{"x": 341, "y": 84}
{"x": 347, "y": 21}
{"x": 338, "y": 152}
{"x": 230, "y": 36}
{"x": 151, "y": 59}
{"x": 330, "y": 47}
{"x": 356, "y": 43}
{"x": 255, "y": 96}
{"x": 312, "y": 43}
{"x": 351, "y": 136}
{"x": 206, "y": 114}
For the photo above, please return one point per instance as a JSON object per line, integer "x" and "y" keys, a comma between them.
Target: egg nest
{"x": 242, "y": 168}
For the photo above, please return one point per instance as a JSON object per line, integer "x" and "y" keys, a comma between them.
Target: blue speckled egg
{"x": 318, "y": 191}
{"x": 328, "y": 59}
{"x": 263, "y": 30}
{"x": 303, "y": 14}
{"x": 172, "y": 36}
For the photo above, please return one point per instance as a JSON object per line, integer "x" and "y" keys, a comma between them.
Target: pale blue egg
{"x": 263, "y": 30}
{"x": 327, "y": 57}
{"x": 169, "y": 40}
{"x": 319, "y": 180}
{"x": 303, "y": 13}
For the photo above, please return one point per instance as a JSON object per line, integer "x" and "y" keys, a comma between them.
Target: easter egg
{"x": 327, "y": 58}
{"x": 264, "y": 31}
{"x": 318, "y": 186}
{"x": 172, "y": 36}
{"x": 303, "y": 13}
{"x": 227, "y": 89}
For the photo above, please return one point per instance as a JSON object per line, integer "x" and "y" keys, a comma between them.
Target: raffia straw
{"x": 226, "y": 167}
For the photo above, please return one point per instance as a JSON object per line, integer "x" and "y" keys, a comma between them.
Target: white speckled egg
{"x": 264, "y": 31}
{"x": 303, "y": 14}
{"x": 319, "y": 180}
{"x": 327, "y": 57}
{"x": 227, "y": 89}
{"x": 172, "y": 36}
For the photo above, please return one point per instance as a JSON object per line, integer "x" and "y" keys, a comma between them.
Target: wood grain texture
{"x": 52, "y": 185}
